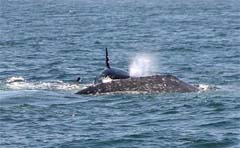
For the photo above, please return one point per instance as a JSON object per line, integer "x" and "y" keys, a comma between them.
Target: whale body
{"x": 115, "y": 80}
{"x": 147, "y": 84}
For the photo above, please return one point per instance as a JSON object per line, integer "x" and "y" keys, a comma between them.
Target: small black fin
{"x": 107, "y": 59}
{"x": 78, "y": 79}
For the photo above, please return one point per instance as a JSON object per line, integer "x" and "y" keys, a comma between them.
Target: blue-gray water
{"x": 49, "y": 43}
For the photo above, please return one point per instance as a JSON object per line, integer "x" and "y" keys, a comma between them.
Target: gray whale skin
{"x": 147, "y": 84}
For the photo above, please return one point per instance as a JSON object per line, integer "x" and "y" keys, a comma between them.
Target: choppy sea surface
{"x": 46, "y": 44}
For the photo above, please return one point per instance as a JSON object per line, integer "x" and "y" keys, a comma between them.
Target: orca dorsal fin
{"x": 107, "y": 59}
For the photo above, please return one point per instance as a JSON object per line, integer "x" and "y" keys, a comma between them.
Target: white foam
{"x": 15, "y": 79}
{"x": 106, "y": 80}
{"x": 142, "y": 65}
{"x": 205, "y": 87}
{"x": 19, "y": 83}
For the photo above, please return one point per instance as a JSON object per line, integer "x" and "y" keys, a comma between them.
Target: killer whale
{"x": 111, "y": 72}
{"x": 121, "y": 82}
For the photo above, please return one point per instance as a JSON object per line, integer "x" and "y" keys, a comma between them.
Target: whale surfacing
{"x": 147, "y": 84}
{"x": 115, "y": 80}
{"x": 111, "y": 72}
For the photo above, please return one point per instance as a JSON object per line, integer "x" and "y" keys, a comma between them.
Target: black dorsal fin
{"x": 107, "y": 59}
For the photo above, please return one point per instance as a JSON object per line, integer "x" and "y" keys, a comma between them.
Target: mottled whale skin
{"x": 147, "y": 84}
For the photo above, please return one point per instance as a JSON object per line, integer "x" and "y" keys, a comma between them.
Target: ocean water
{"x": 46, "y": 44}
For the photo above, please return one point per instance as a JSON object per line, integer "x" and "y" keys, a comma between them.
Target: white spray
{"x": 142, "y": 65}
{"x": 19, "y": 83}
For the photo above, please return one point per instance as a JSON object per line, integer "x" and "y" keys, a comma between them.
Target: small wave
{"x": 216, "y": 124}
{"x": 19, "y": 83}
{"x": 15, "y": 79}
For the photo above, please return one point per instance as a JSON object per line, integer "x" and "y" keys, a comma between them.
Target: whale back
{"x": 148, "y": 84}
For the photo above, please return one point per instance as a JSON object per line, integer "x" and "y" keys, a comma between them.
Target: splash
{"x": 15, "y": 79}
{"x": 19, "y": 83}
{"x": 206, "y": 87}
{"x": 142, "y": 65}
